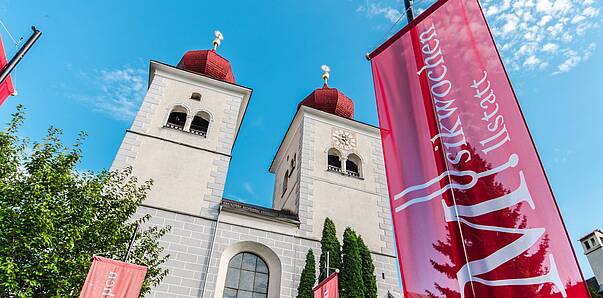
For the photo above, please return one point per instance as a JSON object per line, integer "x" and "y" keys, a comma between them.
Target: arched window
{"x": 293, "y": 162}
{"x": 196, "y": 96}
{"x": 334, "y": 160}
{"x": 200, "y": 124}
{"x": 353, "y": 165}
{"x": 247, "y": 276}
{"x": 285, "y": 182}
{"x": 177, "y": 118}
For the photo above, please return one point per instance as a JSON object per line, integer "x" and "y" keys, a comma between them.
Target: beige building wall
{"x": 289, "y": 164}
{"x": 361, "y": 203}
{"x": 188, "y": 170}
{"x": 358, "y": 202}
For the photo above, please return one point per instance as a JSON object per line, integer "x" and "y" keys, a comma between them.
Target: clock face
{"x": 344, "y": 140}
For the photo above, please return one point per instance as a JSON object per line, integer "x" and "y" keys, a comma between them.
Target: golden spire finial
{"x": 218, "y": 39}
{"x": 325, "y": 75}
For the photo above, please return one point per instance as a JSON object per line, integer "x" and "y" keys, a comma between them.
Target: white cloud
{"x": 511, "y": 22}
{"x": 556, "y": 33}
{"x": 248, "y": 188}
{"x": 550, "y": 48}
{"x": 378, "y": 9}
{"x": 392, "y": 14}
{"x": 591, "y": 12}
{"x": 544, "y": 5}
{"x": 559, "y": 27}
{"x": 492, "y": 10}
{"x": 544, "y": 20}
{"x": 578, "y": 19}
{"x": 116, "y": 92}
{"x": 572, "y": 58}
{"x": 532, "y": 62}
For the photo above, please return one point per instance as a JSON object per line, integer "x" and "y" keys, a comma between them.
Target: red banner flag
{"x": 328, "y": 288}
{"x": 110, "y": 278}
{"x": 474, "y": 215}
{"x": 6, "y": 88}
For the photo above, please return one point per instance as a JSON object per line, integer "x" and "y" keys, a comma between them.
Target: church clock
{"x": 344, "y": 140}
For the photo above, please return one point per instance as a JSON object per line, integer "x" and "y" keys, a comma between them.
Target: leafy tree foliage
{"x": 329, "y": 243}
{"x": 368, "y": 270}
{"x": 53, "y": 218}
{"x": 308, "y": 277}
{"x": 350, "y": 280}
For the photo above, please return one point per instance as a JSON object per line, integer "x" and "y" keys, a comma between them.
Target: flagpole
{"x": 22, "y": 51}
{"x": 408, "y": 8}
{"x": 131, "y": 245}
{"x": 328, "y": 258}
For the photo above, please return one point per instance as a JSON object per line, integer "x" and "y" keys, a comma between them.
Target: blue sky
{"x": 89, "y": 72}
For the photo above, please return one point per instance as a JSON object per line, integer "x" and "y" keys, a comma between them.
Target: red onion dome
{"x": 209, "y": 63}
{"x": 330, "y": 100}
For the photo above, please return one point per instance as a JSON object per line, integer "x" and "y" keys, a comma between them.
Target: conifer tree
{"x": 529, "y": 263}
{"x": 351, "y": 273}
{"x": 308, "y": 276}
{"x": 368, "y": 270}
{"x": 329, "y": 243}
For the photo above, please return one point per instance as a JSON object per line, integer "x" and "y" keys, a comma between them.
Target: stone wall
{"x": 190, "y": 241}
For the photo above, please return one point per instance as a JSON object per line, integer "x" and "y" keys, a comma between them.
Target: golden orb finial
{"x": 218, "y": 39}
{"x": 325, "y": 76}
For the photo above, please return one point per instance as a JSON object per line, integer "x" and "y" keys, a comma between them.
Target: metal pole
{"x": 328, "y": 269}
{"x": 22, "y": 51}
{"x": 408, "y": 8}
{"x": 211, "y": 250}
{"x": 131, "y": 245}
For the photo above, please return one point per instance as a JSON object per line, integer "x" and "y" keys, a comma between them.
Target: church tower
{"x": 330, "y": 165}
{"x": 183, "y": 134}
{"x": 593, "y": 249}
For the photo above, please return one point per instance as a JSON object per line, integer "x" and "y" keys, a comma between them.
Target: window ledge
{"x": 339, "y": 171}
{"x": 192, "y": 132}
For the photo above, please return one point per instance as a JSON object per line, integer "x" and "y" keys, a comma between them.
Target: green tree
{"x": 54, "y": 218}
{"x": 368, "y": 270}
{"x": 308, "y": 277}
{"x": 329, "y": 243}
{"x": 594, "y": 293}
{"x": 351, "y": 272}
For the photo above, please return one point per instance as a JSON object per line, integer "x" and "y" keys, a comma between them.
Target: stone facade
{"x": 189, "y": 171}
{"x": 189, "y": 244}
{"x": 312, "y": 196}
{"x": 186, "y": 157}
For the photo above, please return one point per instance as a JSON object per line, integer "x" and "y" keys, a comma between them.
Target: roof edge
{"x": 304, "y": 108}
{"x": 259, "y": 211}
{"x": 588, "y": 235}
{"x": 247, "y": 91}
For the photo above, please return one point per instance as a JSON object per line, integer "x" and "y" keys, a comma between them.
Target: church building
{"x": 328, "y": 165}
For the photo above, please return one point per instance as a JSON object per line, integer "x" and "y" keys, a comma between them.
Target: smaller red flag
{"x": 111, "y": 278}
{"x": 328, "y": 288}
{"x": 6, "y": 88}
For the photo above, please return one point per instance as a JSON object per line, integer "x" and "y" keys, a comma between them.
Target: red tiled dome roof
{"x": 209, "y": 63}
{"x": 330, "y": 100}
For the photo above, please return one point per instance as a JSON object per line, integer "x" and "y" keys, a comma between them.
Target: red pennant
{"x": 111, "y": 278}
{"x": 6, "y": 88}
{"x": 328, "y": 288}
{"x": 474, "y": 215}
